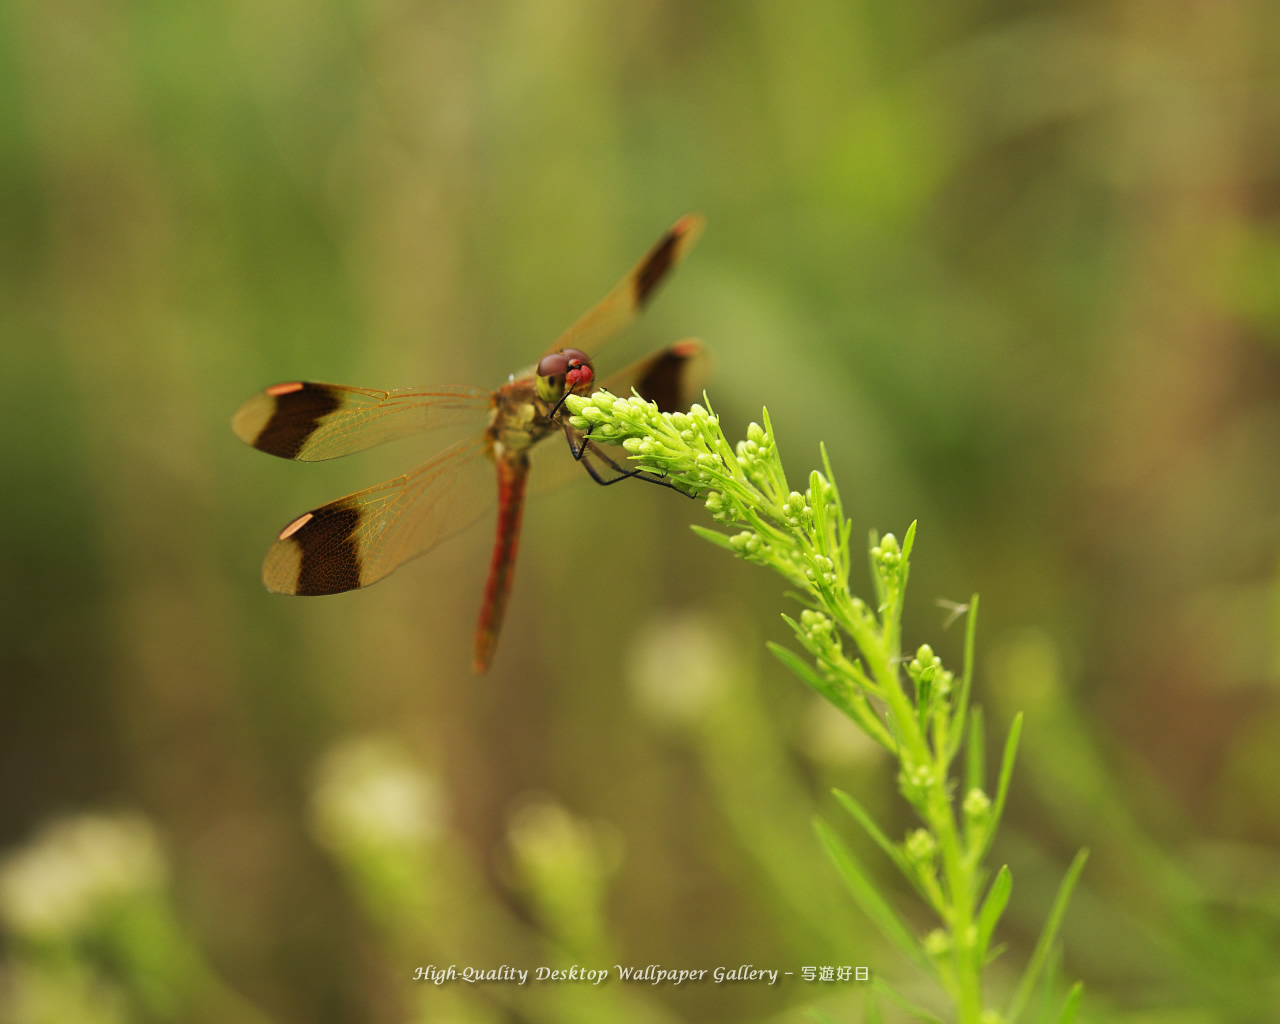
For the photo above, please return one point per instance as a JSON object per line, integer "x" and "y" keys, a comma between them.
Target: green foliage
{"x": 921, "y": 720}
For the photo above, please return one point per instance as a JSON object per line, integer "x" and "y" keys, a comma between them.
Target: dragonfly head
{"x": 562, "y": 373}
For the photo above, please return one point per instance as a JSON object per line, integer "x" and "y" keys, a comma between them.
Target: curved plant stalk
{"x": 855, "y": 662}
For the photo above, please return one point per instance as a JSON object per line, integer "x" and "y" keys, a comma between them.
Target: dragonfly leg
{"x": 581, "y": 451}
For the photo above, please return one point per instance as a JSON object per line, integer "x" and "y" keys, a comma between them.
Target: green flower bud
{"x": 797, "y": 512}
{"x": 937, "y": 943}
{"x": 976, "y": 804}
{"x": 816, "y": 622}
{"x": 723, "y": 509}
{"x": 916, "y": 779}
{"x": 822, "y": 571}
{"x": 920, "y": 847}
{"x": 819, "y": 633}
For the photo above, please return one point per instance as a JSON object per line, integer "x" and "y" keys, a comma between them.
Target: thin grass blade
{"x": 975, "y": 755}
{"x": 1045, "y": 943}
{"x": 966, "y": 680}
{"x": 868, "y": 897}
{"x": 1072, "y": 1004}
{"x": 1006, "y": 774}
{"x": 993, "y": 906}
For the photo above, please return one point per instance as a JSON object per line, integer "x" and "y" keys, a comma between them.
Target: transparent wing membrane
{"x": 633, "y": 292}
{"x": 357, "y": 540}
{"x": 312, "y": 422}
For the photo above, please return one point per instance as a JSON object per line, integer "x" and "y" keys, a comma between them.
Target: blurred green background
{"x": 1018, "y": 265}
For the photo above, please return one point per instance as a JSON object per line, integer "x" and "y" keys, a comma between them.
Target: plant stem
{"x": 805, "y": 538}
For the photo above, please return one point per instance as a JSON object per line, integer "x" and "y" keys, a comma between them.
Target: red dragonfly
{"x": 357, "y": 540}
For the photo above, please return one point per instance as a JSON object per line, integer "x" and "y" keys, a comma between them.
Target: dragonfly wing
{"x": 311, "y": 422}
{"x": 633, "y": 292}
{"x": 357, "y": 540}
{"x": 672, "y": 377}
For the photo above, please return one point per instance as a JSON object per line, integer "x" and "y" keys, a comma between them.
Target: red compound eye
{"x": 580, "y": 374}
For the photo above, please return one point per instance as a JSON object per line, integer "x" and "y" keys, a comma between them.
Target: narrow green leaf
{"x": 865, "y": 715}
{"x": 715, "y": 536}
{"x": 777, "y": 472}
{"x": 1045, "y": 943}
{"x": 828, "y": 690}
{"x": 1048, "y": 984}
{"x": 860, "y": 815}
{"x": 821, "y": 529}
{"x": 975, "y": 760}
{"x": 907, "y": 543}
{"x": 966, "y": 679}
{"x": 822, "y": 519}
{"x": 864, "y": 892}
{"x": 855, "y": 707}
{"x": 873, "y": 538}
{"x": 1006, "y": 774}
{"x": 831, "y": 478}
{"x": 993, "y": 906}
{"x": 1072, "y": 1004}
{"x": 801, "y": 668}
{"x": 882, "y": 987}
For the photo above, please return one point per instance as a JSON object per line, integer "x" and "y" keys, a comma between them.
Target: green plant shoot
{"x": 912, "y": 705}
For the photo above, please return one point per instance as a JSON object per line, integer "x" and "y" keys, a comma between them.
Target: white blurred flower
{"x": 370, "y": 792}
{"x": 41, "y": 992}
{"x": 77, "y": 868}
{"x": 562, "y": 863}
{"x": 678, "y": 666}
{"x": 546, "y": 840}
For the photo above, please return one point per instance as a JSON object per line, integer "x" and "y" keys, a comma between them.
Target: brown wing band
{"x": 665, "y": 381}
{"x": 295, "y": 417}
{"x": 329, "y": 551}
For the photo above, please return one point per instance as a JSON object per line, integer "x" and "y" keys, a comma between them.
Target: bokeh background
{"x": 1017, "y": 265}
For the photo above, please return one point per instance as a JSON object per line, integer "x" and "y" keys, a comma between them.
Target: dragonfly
{"x": 359, "y": 539}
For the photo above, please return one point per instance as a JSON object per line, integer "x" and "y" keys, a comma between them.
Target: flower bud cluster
{"x": 977, "y": 805}
{"x": 937, "y": 943}
{"x": 674, "y": 445}
{"x": 822, "y": 572}
{"x": 920, "y": 847}
{"x": 926, "y": 670}
{"x": 797, "y": 512}
{"x": 755, "y": 453}
{"x": 915, "y": 781}
{"x": 887, "y": 557}
{"x": 819, "y": 633}
{"x": 749, "y": 545}
{"x": 724, "y": 509}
